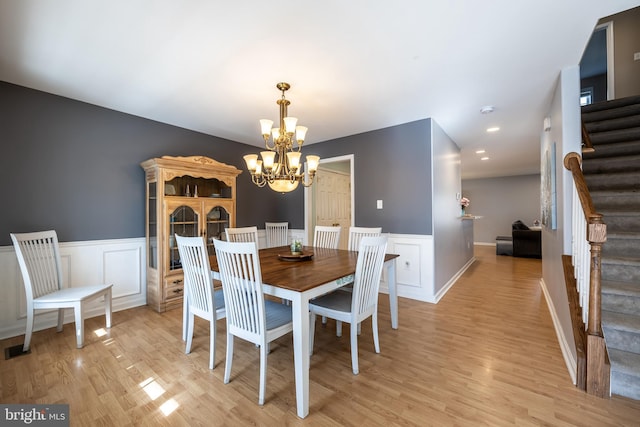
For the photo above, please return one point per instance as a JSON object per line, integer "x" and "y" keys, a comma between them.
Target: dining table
{"x": 298, "y": 279}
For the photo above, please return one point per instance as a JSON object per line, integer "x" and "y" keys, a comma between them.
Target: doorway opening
{"x": 596, "y": 66}
{"x": 330, "y": 200}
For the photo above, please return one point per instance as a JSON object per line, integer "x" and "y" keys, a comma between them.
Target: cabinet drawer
{"x": 173, "y": 287}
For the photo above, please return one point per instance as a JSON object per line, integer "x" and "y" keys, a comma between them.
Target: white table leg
{"x": 393, "y": 291}
{"x": 300, "y": 308}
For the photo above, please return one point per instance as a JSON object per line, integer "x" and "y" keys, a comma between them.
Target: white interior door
{"x": 333, "y": 201}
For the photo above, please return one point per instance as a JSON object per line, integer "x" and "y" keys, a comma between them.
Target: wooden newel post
{"x": 597, "y": 231}
{"x": 598, "y": 369}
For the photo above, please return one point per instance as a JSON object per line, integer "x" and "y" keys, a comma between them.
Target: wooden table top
{"x": 325, "y": 266}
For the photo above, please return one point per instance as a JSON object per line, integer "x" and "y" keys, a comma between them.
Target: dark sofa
{"x": 527, "y": 243}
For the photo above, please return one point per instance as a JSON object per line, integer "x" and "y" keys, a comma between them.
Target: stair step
{"x": 621, "y": 331}
{"x": 626, "y": 289}
{"x": 621, "y": 297}
{"x": 623, "y": 148}
{"x": 625, "y": 163}
{"x": 609, "y": 124}
{"x": 613, "y": 104}
{"x": 613, "y": 181}
{"x": 620, "y": 269}
{"x": 618, "y": 200}
{"x": 625, "y": 373}
{"x": 620, "y": 244}
{"x": 620, "y": 220}
{"x": 612, "y": 136}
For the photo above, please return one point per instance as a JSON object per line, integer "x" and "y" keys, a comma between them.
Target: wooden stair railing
{"x": 587, "y": 145}
{"x": 597, "y": 376}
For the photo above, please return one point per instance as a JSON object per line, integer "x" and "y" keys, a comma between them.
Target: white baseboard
{"x": 565, "y": 346}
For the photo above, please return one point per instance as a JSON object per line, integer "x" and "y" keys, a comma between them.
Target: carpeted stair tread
{"x": 619, "y": 181}
{"x": 620, "y": 321}
{"x": 611, "y": 105}
{"x": 614, "y": 123}
{"x": 622, "y": 148}
{"x": 621, "y": 220}
{"x": 630, "y": 261}
{"x": 627, "y": 289}
{"x": 611, "y": 164}
{"x": 615, "y": 136}
{"x": 625, "y": 361}
{"x": 616, "y": 200}
{"x": 621, "y": 211}
{"x": 623, "y": 235}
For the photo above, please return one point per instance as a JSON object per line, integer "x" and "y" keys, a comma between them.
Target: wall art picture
{"x": 549, "y": 206}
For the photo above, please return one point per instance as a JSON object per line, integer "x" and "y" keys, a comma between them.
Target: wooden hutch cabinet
{"x": 188, "y": 196}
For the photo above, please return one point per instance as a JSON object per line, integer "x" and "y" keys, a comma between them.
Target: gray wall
{"x": 75, "y": 167}
{"x": 391, "y": 164}
{"x": 566, "y": 133}
{"x": 452, "y": 250}
{"x": 500, "y": 201}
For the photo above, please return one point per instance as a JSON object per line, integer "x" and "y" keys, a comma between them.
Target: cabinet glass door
{"x": 217, "y": 221}
{"x": 152, "y": 222}
{"x": 182, "y": 221}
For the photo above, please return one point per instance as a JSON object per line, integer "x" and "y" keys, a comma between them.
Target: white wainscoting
{"x": 120, "y": 262}
{"x": 414, "y": 266}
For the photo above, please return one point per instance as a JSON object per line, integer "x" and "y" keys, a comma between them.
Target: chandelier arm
{"x": 258, "y": 180}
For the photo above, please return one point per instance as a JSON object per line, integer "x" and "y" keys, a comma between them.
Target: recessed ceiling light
{"x": 484, "y": 158}
{"x": 487, "y": 109}
{"x": 479, "y": 151}
{"x": 493, "y": 129}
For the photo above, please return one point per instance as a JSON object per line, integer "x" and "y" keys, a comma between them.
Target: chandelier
{"x": 280, "y": 165}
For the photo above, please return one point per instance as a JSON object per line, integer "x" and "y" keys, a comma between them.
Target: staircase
{"x": 612, "y": 173}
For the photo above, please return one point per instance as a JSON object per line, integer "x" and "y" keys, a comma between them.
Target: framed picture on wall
{"x": 548, "y": 176}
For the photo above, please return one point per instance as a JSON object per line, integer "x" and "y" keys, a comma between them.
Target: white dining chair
{"x": 362, "y": 303}
{"x": 277, "y": 234}
{"x": 200, "y": 297}
{"x": 326, "y": 237}
{"x": 249, "y": 315}
{"x": 357, "y": 233}
{"x": 39, "y": 259}
{"x": 242, "y": 234}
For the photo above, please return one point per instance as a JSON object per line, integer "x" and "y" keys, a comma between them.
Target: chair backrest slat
{"x": 368, "y": 273}
{"x": 277, "y": 234}
{"x": 326, "y": 237}
{"x": 197, "y": 273}
{"x": 357, "y": 233}
{"x": 241, "y": 278}
{"x": 242, "y": 234}
{"x": 39, "y": 259}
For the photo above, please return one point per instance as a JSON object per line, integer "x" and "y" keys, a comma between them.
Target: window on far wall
{"x": 586, "y": 96}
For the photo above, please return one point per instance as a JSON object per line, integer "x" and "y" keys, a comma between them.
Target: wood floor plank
{"x": 486, "y": 354}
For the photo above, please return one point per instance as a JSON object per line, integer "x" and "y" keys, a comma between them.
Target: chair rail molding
{"x": 120, "y": 262}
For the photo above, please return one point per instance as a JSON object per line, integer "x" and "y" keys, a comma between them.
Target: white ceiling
{"x": 354, "y": 66}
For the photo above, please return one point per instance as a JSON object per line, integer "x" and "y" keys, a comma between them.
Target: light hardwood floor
{"x": 487, "y": 354}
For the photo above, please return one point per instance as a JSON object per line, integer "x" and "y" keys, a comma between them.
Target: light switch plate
{"x": 379, "y": 204}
